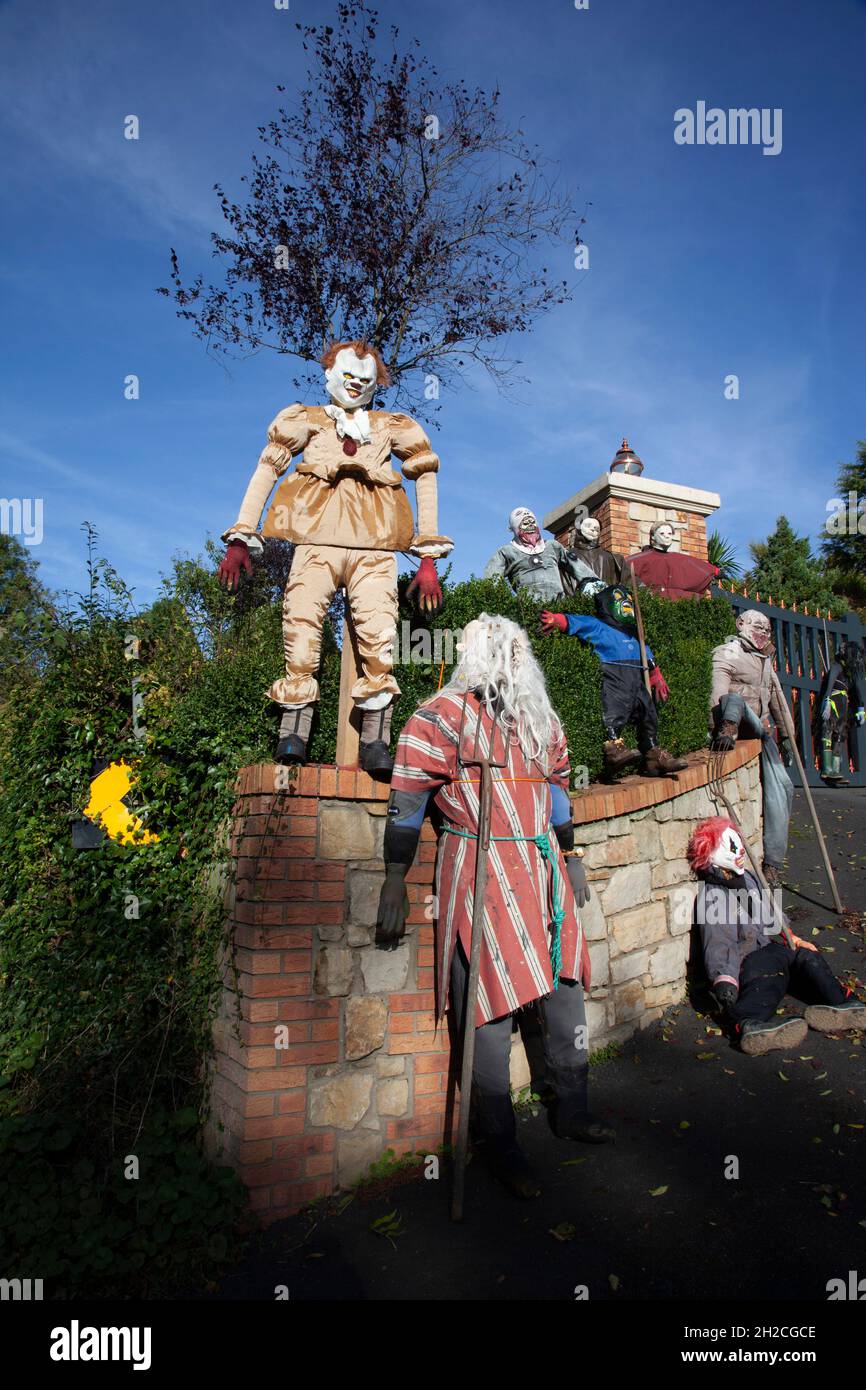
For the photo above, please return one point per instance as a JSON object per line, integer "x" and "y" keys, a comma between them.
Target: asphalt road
{"x": 653, "y": 1216}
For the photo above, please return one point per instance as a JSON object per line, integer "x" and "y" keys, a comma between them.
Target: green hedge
{"x": 681, "y": 634}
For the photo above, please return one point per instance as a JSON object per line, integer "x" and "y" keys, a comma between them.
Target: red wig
{"x": 362, "y": 349}
{"x": 705, "y": 840}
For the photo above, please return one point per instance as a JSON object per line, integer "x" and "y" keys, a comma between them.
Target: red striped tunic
{"x": 518, "y": 909}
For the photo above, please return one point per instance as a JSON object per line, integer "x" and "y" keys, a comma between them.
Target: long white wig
{"x": 497, "y": 662}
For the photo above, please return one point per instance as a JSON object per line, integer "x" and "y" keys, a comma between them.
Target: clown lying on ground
{"x": 749, "y": 964}
{"x": 624, "y": 696}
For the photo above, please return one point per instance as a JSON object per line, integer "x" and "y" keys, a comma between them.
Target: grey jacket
{"x": 740, "y": 669}
{"x": 540, "y": 573}
{"x": 733, "y": 921}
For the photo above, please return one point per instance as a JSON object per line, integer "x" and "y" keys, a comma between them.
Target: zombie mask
{"x": 729, "y": 855}
{"x": 524, "y": 524}
{"x": 351, "y": 381}
{"x": 754, "y": 627}
{"x": 588, "y": 532}
{"x": 614, "y": 605}
{"x": 662, "y": 536}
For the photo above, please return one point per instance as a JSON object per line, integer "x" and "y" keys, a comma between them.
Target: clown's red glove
{"x": 235, "y": 560}
{"x": 659, "y": 685}
{"x": 552, "y": 622}
{"x": 426, "y": 581}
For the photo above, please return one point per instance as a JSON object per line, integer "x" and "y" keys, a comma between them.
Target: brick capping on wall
{"x": 594, "y": 803}
{"x": 326, "y": 1051}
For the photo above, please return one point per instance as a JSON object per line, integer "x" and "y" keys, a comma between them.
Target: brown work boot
{"x": 617, "y": 756}
{"x": 658, "y": 762}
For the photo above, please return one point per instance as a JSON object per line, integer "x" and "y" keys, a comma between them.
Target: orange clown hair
{"x": 362, "y": 349}
{"x": 705, "y": 840}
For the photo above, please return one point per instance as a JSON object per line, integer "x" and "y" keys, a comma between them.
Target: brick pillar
{"x": 627, "y": 506}
{"x": 326, "y": 1053}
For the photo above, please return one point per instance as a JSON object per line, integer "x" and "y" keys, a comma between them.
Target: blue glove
{"x": 860, "y": 715}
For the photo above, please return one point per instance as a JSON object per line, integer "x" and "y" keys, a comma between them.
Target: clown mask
{"x": 524, "y": 524}
{"x": 351, "y": 382}
{"x": 588, "y": 531}
{"x": 662, "y": 536}
{"x": 754, "y": 627}
{"x": 729, "y": 856}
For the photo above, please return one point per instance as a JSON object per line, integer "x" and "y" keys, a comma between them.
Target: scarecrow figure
{"x": 607, "y": 565}
{"x": 752, "y": 958}
{"x": 533, "y": 947}
{"x": 624, "y": 696}
{"x": 840, "y": 705}
{"x": 346, "y": 512}
{"x": 667, "y": 571}
{"x": 744, "y": 700}
{"x": 533, "y": 565}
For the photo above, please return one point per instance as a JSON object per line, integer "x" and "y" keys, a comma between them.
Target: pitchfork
{"x": 484, "y": 762}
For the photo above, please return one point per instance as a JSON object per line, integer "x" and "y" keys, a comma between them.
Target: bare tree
{"x": 389, "y": 205}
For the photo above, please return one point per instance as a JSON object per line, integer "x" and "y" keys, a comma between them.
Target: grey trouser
{"x": 563, "y": 1029}
{"x": 775, "y": 782}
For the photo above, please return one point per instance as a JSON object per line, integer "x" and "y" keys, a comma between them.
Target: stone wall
{"x": 326, "y": 1050}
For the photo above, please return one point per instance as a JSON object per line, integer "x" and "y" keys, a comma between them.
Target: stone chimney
{"x": 627, "y": 504}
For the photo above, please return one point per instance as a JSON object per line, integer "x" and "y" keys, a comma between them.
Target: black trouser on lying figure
{"x": 768, "y": 974}
{"x": 564, "y": 1036}
{"x": 626, "y": 700}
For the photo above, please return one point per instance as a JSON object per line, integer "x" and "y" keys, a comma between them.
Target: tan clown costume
{"x": 345, "y": 510}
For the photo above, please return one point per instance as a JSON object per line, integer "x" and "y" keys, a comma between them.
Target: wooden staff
{"x": 482, "y": 849}
{"x": 792, "y": 739}
{"x": 640, "y": 632}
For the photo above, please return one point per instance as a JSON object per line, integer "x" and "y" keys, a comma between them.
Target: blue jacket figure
{"x": 624, "y": 696}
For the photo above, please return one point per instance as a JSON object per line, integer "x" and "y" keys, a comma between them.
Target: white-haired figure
{"x": 533, "y": 946}
{"x": 529, "y": 563}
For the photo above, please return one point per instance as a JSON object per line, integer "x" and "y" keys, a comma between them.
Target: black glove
{"x": 723, "y": 743}
{"x": 393, "y": 908}
{"x": 577, "y": 878}
{"x": 725, "y": 995}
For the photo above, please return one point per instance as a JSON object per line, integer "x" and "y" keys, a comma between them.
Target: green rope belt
{"x": 548, "y": 852}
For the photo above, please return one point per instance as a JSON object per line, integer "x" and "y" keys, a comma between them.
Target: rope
{"x": 548, "y": 853}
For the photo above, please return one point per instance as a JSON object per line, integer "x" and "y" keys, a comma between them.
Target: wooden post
{"x": 348, "y": 717}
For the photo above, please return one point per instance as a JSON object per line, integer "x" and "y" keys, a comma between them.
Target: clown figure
{"x": 752, "y": 958}
{"x": 346, "y": 512}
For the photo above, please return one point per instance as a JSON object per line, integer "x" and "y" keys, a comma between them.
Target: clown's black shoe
{"x": 831, "y": 1018}
{"x": 777, "y": 1034}
{"x": 291, "y": 750}
{"x": 376, "y": 759}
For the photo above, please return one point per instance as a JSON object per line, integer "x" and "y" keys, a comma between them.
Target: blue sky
{"x": 704, "y": 261}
